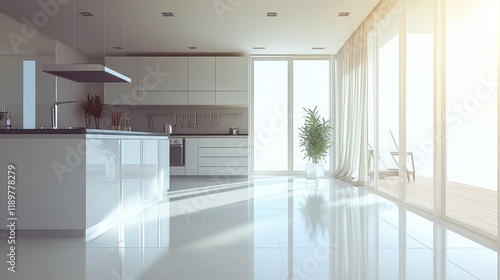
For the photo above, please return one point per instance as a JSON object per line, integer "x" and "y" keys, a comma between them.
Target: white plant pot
{"x": 315, "y": 170}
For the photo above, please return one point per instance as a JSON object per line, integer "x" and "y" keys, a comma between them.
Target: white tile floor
{"x": 273, "y": 228}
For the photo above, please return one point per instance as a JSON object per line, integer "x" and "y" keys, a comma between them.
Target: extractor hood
{"x": 86, "y": 73}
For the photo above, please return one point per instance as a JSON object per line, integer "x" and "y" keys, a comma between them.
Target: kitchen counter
{"x": 210, "y": 135}
{"x": 75, "y": 182}
{"x": 80, "y": 130}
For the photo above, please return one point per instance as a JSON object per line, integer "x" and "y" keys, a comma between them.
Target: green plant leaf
{"x": 315, "y": 136}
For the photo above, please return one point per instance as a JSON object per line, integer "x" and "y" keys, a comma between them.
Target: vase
{"x": 315, "y": 170}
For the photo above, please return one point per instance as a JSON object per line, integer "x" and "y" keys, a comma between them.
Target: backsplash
{"x": 154, "y": 118}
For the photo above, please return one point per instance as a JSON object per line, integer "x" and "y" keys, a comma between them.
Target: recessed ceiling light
{"x": 86, "y": 14}
{"x": 272, "y": 14}
{"x": 259, "y": 48}
{"x": 318, "y": 48}
{"x": 193, "y": 48}
{"x": 343, "y": 14}
{"x": 167, "y": 14}
{"x": 118, "y": 48}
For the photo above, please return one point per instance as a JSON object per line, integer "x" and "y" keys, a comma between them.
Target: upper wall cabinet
{"x": 122, "y": 93}
{"x": 231, "y": 73}
{"x": 202, "y": 74}
{"x": 163, "y": 73}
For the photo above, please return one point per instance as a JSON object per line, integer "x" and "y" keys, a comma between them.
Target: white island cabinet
{"x": 76, "y": 182}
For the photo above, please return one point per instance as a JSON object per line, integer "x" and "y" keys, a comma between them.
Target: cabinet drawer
{"x": 222, "y": 162}
{"x": 223, "y": 142}
{"x": 223, "y": 171}
{"x": 223, "y": 152}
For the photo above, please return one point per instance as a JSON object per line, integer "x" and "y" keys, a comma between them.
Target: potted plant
{"x": 92, "y": 107}
{"x": 97, "y": 109}
{"x": 86, "y": 107}
{"x": 315, "y": 140}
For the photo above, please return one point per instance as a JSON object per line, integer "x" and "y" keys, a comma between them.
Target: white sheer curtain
{"x": 350, "y": 107}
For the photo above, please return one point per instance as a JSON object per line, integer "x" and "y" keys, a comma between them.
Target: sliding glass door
{"x": 419, "y": 186}
{"x": 472, "y": 113}
{"x": 282, "y": 87}
{"x": 388, "y": 105}
{"x": 311, "y": 88}
{"x": 270, "y": 116}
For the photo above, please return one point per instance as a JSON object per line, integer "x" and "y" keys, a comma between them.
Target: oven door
{"x": 177, "y": 152}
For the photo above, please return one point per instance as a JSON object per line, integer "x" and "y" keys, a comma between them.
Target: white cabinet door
{"x": 201, "y": 81}
{"x": 163, "y": 73}
{"x": 202, "y": 74}
{"x": 122, "y": 93}
{"x": 163, "y": 98}
{"x": 239, "y": 98}
{"x": 231, "y": 73}
{"x": 191, "y": 156}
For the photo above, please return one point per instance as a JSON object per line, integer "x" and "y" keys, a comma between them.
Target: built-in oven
{"x": 176, "y": 151}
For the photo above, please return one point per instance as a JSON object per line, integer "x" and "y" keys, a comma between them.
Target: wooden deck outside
{"x": 472, "y": 205}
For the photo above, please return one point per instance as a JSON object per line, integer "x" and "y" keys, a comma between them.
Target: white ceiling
{"x": 213, "y": 26}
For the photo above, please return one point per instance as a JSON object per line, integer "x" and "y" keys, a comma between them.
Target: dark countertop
{"x": 209, "y": 135}
{"x": 80, "y": 130}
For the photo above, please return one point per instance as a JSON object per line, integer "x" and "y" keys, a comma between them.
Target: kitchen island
{"x": 77, "y": 182}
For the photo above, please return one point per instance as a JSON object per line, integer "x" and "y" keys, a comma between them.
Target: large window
{"x": 282, "y": 87}
{"x": 432, "y": 107}
{"x": 311, "y": 88}
{"x": 419, "y": 102}
{"x": 388, "y": 105}
{"x": 270, "y": 118}
{"x": 472, "y": 112}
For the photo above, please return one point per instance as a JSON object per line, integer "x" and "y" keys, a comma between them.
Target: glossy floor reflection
{"x": 267, "y": 228}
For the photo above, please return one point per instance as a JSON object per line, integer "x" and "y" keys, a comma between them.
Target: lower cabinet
{"x": 191, "y": 156}
{"x": 223, "y": 156}
{"x": 214, "y": 156}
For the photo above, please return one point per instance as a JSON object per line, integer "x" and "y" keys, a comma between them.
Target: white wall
{"x": 49, "y": 89}
{"x": 70, "y": 114}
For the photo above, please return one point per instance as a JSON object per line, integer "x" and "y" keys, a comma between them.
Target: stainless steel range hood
{"x": 86, "y": 73}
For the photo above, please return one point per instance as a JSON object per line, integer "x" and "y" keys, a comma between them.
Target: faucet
{"x": 53, "y": 112}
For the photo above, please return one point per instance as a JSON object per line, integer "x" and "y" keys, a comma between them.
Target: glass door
{"x": 419, "y": 175}
{"x": 472, "y": 113}
{"x": 270, "y": 116}
{"x": 388, "y": 105}
{"x": 282, "y": 88}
